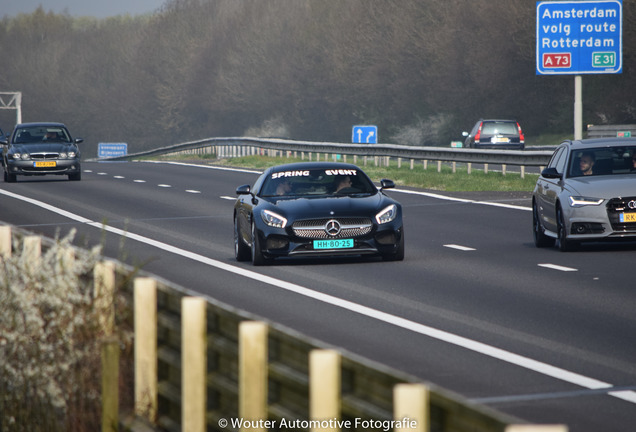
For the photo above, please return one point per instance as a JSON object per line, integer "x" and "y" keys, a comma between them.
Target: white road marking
{"x": 102, "y": 173}
{"x": 192, "y": 191}
{"x": 482, "y": 348}
{"x": 229, "y": 198}
{"x": 119, "y": 177}
{"x": 139, "y": 181}
{"x": 459, "y": 247}
{"x": 164, "y": 186}
{"x": 558, "y": 267}
{"x": 462, "y": 200}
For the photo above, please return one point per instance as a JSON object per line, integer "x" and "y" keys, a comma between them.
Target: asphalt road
{"x": 545, "y": 336}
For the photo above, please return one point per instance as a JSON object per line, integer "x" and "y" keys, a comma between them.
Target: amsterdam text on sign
{"x": 579, "y": 37}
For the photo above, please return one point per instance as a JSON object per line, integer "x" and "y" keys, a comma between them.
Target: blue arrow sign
{"x": 364, "y": 135}
{"x": 579, "y": 37}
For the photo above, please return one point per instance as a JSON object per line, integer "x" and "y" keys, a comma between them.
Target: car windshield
{"x": 602, "y": 161}
{"x": 33, "y": 134}
{"x": 317, "y": 182}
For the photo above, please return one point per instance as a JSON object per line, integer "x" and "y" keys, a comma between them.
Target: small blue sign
{"x": 364, "y": 135}
{"x": 579, "y": 37}
{"x": 105, "y": 150}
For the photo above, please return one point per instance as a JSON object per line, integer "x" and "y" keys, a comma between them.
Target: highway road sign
{"x": 579, "y": 37}
{"x": 364, "y": 135}
{"x": 111, "y": 149}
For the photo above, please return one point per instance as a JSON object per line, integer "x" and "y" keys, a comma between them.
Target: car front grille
{"x": 615, "y": 207}
{"x": 40, "y": 156}
{"x": 317, "y": 228}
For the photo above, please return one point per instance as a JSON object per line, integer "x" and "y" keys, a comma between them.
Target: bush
{"x": 50, "y": 342}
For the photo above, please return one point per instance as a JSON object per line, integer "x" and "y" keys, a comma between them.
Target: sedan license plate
{"x": 333, "y": 244}
{"x": 47, "y": 164}
{"x": 627, "y": 217}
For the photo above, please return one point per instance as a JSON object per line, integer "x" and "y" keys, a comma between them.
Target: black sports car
{"x": 316, "y": 208}
{"x": 39, "y": 149}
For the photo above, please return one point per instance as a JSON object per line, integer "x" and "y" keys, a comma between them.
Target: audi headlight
{"x": 580, "y": 201}
{"x": 274, "y": 220}
{"x": 386, "y": 215}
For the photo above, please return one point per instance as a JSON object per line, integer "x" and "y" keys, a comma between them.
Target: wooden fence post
{"x": 411, "y": 404}
{"x": 104, "y": 280}
{"x": 110, "y": 385}
{"x": 5, "y": 241}
{"x": 32, "y": 250}
{"x": 193, "y": 364}
{"x": 536, "y": 428}
{"x": 253, "y": 371}
{"x": 324, "y": 388}
{"x": 145, "y": 298}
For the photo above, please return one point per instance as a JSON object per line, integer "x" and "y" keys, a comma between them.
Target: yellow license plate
{"x": 500, "y": 140}
{"x": 628, "y": 217}
{"x": 47, "y": 164}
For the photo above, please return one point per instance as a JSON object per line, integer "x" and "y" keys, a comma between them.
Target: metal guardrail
{"x": 533, "y": 158}
{"x": 607, "y": 131}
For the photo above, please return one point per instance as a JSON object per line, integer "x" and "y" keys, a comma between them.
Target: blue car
{"x": 315, "y": 209}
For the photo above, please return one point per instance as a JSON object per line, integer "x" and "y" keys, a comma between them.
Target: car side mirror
{"x": 550, "y": 173}
{"x": 79, "y": 140}
{"x": 243, "y": 190}
{"x": 465, "y": 134}
{"x": 387, "y": 184}
{"x": 4, "y": 141}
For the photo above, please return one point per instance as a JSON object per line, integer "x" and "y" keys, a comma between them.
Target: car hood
{"x": 305, "y": 208}
{"x": 42, "y": 147}
{"x": 605, "y": 186}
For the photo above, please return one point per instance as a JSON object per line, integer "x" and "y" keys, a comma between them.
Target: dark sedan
{"x": 316, "y": 209}
{"x": 40, "y": 149}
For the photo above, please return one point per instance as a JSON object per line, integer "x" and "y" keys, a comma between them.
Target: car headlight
{"x": 71, "y": 155}
{"x": 63, "y": 155}
{"x": 23, "y": 156}
{"x": 386, "y": 215}
{"x": 580, "y": 201}
{"x": 274, "y": 220}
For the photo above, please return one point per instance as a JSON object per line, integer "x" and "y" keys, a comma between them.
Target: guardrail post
{"x": 469, "y": 167}
{"x": 439, "y": 166}
{"x": 523, "y": 171}
{"x": 253, "y": 371}
{"x": 193, "y": 364}
{"x": 324, "y": 387}
{"x": 110, "y": 385}
{"x": 411, "y": 404}
{"x": 503, "y": 169}
{"x": 536, "y": 428}
{"x": 145, "y": 300}
{"x": 5, "y": 241}
{"x": 485, "y": 168}
{"x": 104, "y": 280}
